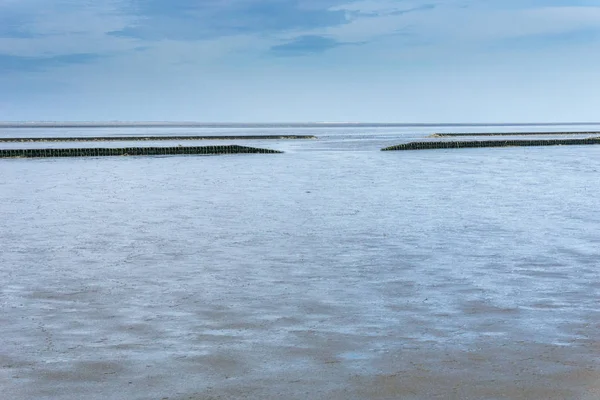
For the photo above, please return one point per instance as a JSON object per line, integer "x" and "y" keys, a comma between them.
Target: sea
{"x": 331, "y": 271}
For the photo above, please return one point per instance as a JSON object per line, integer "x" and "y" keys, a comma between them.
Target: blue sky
{"x": 300, "y": 60}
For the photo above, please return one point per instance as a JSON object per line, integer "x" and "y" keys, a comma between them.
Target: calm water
{"x": 332, "y": 271}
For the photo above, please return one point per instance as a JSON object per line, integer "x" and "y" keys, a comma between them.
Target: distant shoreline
{"x": 513, "y": 134}
{"x": 151, "y": 138}
{"x": 152, "y": 124}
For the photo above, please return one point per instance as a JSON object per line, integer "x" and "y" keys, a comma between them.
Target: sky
{"x": 300, "y": 60}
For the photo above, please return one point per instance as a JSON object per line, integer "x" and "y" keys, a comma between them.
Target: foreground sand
{"x": 335, "y": 272}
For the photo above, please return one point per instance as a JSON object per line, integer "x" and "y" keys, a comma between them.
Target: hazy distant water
{"x": 331, "y": 271}
{"x": 354, "y": 137}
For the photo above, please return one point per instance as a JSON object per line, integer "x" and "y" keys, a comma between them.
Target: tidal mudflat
{"x": 333, "y": 271}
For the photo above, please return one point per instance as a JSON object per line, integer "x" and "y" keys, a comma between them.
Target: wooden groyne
{"x": 149, "y": 138}
{"x": 513, "y": 134}
{"x": 132, "y": 151}
{"x": 491, "y": 143}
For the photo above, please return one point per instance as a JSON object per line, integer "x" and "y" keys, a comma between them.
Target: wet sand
{"x": 334, "y": 272}
{"x": 107, "y": 352}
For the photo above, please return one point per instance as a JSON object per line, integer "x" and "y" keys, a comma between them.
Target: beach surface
{"x": 333, "y": 271}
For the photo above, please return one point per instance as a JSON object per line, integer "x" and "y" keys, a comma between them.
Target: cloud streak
{"x": 306, "y": 45}
{"x": 30, "y": 64}
{"x": 190, "y": 20}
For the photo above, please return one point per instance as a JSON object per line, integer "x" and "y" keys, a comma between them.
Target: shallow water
{"x": 332, "y": 271}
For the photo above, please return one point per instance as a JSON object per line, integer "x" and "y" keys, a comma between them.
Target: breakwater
{"x": 132, "y": 151}
{"x": 491, "y": 143}
{"x": 149, "y": 138}
{"x": 513, "y": 134}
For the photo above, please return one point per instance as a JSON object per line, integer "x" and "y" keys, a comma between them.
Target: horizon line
{"x": 196, "y": 124}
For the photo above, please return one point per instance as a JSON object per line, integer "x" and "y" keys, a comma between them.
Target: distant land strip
{"x": 491, "y": 143}
{"x": 513, "y": 134}
{"x": 193, "y": 124}
{"x": 132, "y": 151}
{"x": 148, "y": 138}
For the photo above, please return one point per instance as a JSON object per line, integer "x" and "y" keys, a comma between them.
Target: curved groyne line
{"x": 513, "y": 134}
{"x": 132, "y": 151}
{"x": 491, "y": 143}
{"x": 149, "y": 138}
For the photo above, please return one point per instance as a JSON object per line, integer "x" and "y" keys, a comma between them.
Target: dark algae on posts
{"x": 132, "y": 151}
{"x": 490, "y": 143}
